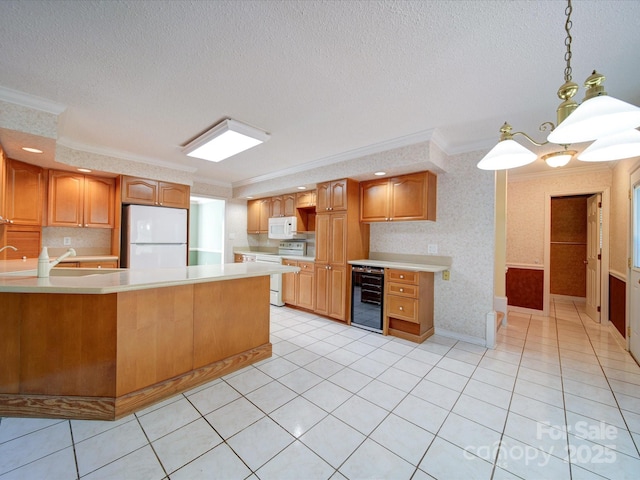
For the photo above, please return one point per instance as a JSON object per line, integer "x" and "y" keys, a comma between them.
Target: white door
{"x": 594, "y": 250}
{"x": 634, "y": 271}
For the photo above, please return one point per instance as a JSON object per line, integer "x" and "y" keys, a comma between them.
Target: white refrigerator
{"x": 154, "y": 237}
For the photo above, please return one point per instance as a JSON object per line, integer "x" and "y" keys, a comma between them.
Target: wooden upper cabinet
{"x": 99, "y": 202}
{"x": 283, "y": 205}
{"x": 80, "y": 201}
{"x": 258, "y": 212}
{"x": 142, "y": 191}
{"x": 289, "y": 204}
{"x": 306, "y": 199}
{"x": 401, "y": 198}
{"x": 374, "y": 200}
{"x": 331, "y": 196}
{"x": 277, "y": 207}
{"x": 24, "y": 196}
{"x": 174, "y": 195}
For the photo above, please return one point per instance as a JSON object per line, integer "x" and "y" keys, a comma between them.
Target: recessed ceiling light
{"x": 32, "y": 150}
{"x": 249, "y": 197}
{"x": 84, "y": 170}
{"x": 302, "y": 188}
{"x": 379, "y": 174}
{"x": 225, "y": 140}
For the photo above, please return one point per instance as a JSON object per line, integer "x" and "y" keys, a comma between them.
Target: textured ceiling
{"x": 140, "y": 78}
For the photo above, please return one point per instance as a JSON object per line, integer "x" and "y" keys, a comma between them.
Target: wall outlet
{"x": 446, "y": 275}
{"x": 432, "y": 249}
{"x": 66, "y": 241}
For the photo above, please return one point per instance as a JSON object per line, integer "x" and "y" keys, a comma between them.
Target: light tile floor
{"x": 557, "y": 399}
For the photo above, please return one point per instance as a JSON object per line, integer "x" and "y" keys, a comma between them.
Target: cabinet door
{"x": 173, "y": 195}
{"x": 337, "y": 239}
{"x": 253, "y": 216}
{"x": 337, "y": 293}
{"x": 139, "y": 191}
{"x": 289, "y": 284}
{"x": 322, "y": 289}
{"x": 289, "y": 205}
{"x": 265, "y": 213}
{"x": 277, "y": 207}
{"x": 374, "y": 201}
{"x": 25, "y": 193}
{"x": 66, "y": 193}
{"x": 306, "y": 286}
{"x": 306, "y": 199}
{"x": 323, "y": 200}
{"x": 323, "y": 240}
{"x": 99, "y": 202}
{"x": 408, "y": 199}
{"x": 338, "y": 195}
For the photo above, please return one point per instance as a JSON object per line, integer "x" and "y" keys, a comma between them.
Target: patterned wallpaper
{"x": 526, "y": 198}
{"x": 463, "y": 230}
{"x": 619, "y": 232}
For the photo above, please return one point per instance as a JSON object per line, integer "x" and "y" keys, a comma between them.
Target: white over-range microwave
{"x": 283, "y": 228}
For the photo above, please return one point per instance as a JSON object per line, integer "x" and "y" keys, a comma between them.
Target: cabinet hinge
{"x": 598, "y": 308}
{"x": 599, "y": 256}
{"x": 599, "y": 204}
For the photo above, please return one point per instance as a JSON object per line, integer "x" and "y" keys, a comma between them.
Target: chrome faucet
{"x": 8, "y": 246}
{"x": 45, "y": 266}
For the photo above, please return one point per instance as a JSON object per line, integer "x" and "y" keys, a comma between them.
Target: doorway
{"x": 634, "y": 269}
{"x": 576, "y": 248}
{"x": 206, "y": 231}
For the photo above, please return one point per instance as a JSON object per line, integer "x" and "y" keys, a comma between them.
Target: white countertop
{"x": 101, "y": 281}
{"x": 415, "y": 267}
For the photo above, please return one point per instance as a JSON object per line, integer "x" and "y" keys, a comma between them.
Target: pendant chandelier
{"x": 610, "y": 122}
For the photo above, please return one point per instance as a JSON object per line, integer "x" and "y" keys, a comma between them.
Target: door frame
{"x": 635, "y": 169}
{"x": 604, "y": 263}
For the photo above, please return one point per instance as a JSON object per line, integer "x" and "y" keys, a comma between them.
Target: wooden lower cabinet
{"x": 408, "y": 304}
{"x": 331, "y": 291}
{"x": 298, "y": 288}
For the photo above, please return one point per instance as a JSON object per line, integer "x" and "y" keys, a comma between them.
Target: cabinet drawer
{"x": 402, "y": 290}
{"x": 306, "y": 266}
{"x": 402, "y": 276}
{"x": 289, "y": 263}
{"x": 402, "y": 308}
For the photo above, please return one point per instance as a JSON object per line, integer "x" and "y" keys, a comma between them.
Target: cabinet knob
{"x": 79, "y": 224}
{"x": 402, "y": 290}
{"x": 401, "y": 308}
{"x": 401, "y": 276}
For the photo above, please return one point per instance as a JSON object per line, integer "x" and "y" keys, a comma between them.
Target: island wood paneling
{"x": 617, "y": 303}
{"x": 525, "y": 288}
{"x": 218, "y": 306}
{"x": 65, "y": 355}
{"x": 155, "y": 336}
{"x": 11, "y": 306}
{"x": 67, "y": 344}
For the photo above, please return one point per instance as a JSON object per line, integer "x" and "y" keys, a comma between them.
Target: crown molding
{"x": 31, "y": 101}
{"x": 418, "y": 137}
{"x": 107, "y": 152}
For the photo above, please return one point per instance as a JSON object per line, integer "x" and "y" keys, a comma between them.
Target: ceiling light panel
{"x": 225, "y": 140}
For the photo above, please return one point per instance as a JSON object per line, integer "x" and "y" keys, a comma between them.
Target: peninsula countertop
{"x": 416, "y": 267}
{"x": 105, "y": 280}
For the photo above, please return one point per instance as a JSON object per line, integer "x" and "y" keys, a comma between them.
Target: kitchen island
{"x": 103, "y": 343}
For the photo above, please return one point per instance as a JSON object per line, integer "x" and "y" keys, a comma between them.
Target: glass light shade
{"x": 613, "y": 147}
{"x": 507, "y": 154}
{"x": 595, "y": 118}
{"x": 558, "y": 159}
{"x": 225, "y": 140}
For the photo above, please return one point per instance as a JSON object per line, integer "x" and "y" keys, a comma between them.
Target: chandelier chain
{"x": 567, "y": 41}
